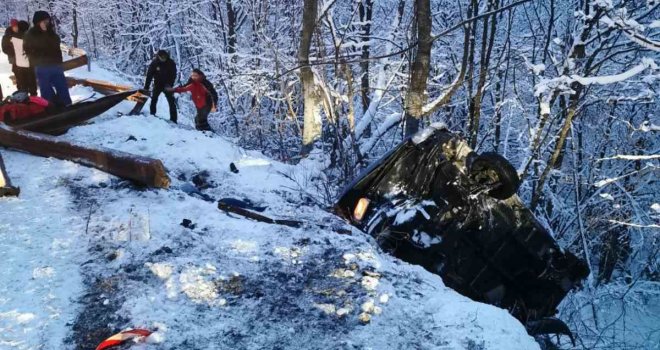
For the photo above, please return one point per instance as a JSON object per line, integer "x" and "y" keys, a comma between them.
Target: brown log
{"x": 143, "y": 170}
{"x": 79, "y": 59}
{"x": 75, "y": 62}
{"x": 139, "y": 105}
{"x": 6, "y": 189}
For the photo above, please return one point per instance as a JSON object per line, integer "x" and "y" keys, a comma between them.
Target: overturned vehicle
{"x": 434, "y": 202}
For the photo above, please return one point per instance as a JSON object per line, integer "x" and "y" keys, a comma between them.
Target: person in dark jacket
{"x": 25, "y": 78}
{"x": 7, "y": 47}
{"x": 162, "y": 71}
{"x": 204, "y": 97}
{"x": 42, "y": 47}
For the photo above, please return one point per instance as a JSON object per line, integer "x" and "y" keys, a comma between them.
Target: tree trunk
{"x": 559, "y": 146}
{"x": 487, "y": 43}
{"x": 74, "y": 24}
{"x": 416, "y": 95}
{"x": 499, "y": 96}
{"x": 365, "y": 9}
{"x": 231, "y": 28}
{"x": 146, "y": 171}
{"x": 311, "y": 99}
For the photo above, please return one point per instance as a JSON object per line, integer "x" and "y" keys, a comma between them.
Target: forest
{"x": 566, "y": 90}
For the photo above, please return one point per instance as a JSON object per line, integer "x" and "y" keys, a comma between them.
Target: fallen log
{"x": 79, "y": 57}
{"x": 75, "y": 62}
{"x": 6, "y": 189}
{"x": 138, "y": 107}
{"x": 146, "y": 171}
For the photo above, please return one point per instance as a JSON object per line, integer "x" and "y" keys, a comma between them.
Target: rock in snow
{"x": 224, "y": 283}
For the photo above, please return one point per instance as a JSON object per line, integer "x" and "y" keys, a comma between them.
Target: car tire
{"x": 507, "y": 182}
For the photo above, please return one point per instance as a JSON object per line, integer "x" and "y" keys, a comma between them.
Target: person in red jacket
{"x": 203, "y": 95}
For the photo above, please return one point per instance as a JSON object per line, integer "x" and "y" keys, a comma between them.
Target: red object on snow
{"x": 124, "y": 336}
{"x": 39, "y": 101}
{"x": 17, "y": 111}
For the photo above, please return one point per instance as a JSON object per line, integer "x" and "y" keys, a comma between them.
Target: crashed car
{"x": 434, "y": 202}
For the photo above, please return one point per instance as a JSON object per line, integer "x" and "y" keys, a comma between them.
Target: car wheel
{"x": 493, "y": 170}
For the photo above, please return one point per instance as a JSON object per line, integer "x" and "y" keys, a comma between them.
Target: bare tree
{"x": 312, "y": 122}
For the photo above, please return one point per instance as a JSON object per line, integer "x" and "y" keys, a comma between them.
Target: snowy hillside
{"x": 85, "y": 254}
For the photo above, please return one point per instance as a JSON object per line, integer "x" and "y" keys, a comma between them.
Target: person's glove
{"x": 169, "y": 89}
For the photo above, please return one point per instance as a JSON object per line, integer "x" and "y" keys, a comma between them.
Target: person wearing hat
{"x": 204, "y": 97}
{"x": 25, "y": 78}
{"x": 42, "y": 47}
{"x": 162, "y": 71}
{"x": 7, "y": 47}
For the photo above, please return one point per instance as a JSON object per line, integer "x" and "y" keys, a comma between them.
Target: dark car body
{"x": 423, "y": 205}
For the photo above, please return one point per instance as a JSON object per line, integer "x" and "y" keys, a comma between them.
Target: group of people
{"x": 36, "y": 60}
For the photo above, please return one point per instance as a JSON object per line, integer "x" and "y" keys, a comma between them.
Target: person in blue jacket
{"x": 42, "y": 46}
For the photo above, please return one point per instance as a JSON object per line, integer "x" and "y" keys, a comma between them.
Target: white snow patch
{"x": 616, "y": 78}
{"x": 197, "y": 285}
{"x": 161, "y": 270}
{"x": 424, "y": 134}
{"x": 244, "y": 246}
{"x": 18, "y": 317}
{"x": 656, "y": 207}
{"x": 425, "y": 240}
{"x": 43, "y": 272}
{"x": 606, "y": 196}
{"x": 370, "y": 282}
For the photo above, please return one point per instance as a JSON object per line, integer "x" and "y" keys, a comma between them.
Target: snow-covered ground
{"x": 85, "y": 254}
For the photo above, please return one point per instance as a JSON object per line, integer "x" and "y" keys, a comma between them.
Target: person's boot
{"x": 152, "y": 109}
{"x": 203, "y": 127}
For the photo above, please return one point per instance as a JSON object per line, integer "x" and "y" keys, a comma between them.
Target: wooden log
{"x": 143, "y": 170}
{"x": 75, "y": 62}
{"x": 139, "y": 105}
{"x": 99, "y": 85}
{"x": 79, "y": 59}
{"x": 6, "y": 189}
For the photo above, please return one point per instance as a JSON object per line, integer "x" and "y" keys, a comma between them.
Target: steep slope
{"x": 86, "y": 254}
